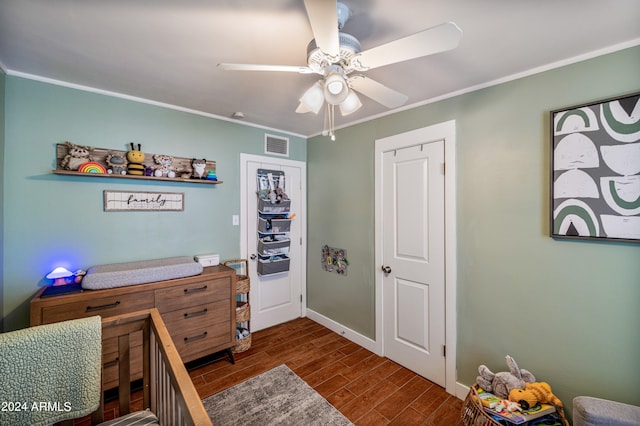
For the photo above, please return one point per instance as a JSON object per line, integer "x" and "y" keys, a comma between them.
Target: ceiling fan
{"x": 338, "y": 58}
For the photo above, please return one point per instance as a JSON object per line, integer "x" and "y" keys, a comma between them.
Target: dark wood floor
{"x": 366, "y": 388}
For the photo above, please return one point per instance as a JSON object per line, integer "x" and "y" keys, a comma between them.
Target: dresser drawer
{"x": 194, "y": 343}
{"x": 110, "y": 361}
{"x": 185, "y": 295}
{"x": 193, "y": 317}
{"x": 107, "y": 306}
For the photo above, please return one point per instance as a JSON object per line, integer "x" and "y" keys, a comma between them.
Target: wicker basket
{"x": 242, "y": 344}
{"x": 473, "y": 414}
{"x": 243, "y": 312}
{"x": 242, "y": 281}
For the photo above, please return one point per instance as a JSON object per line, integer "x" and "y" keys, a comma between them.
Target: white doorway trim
{"x": 448, "y": 132}
{"x": 244, "y": 216}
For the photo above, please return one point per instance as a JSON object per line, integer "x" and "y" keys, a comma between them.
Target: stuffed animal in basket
{"x": 534, "y": 393}
{"x": 500, "y": 384}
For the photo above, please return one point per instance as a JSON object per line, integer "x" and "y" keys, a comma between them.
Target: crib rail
{"x": 167, "y": 388}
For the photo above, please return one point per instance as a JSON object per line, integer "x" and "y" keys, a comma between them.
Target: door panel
{"x": 411, "y": 218}
{"x": 413, "y": 249}
{"x": 413, "y": 319}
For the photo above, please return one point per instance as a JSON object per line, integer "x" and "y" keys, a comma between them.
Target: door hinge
{"x": 300, "y": 240}
{"x": 444, "y": 350}
{"x": 300, "y": 298}
{"x": 444, "y": 168}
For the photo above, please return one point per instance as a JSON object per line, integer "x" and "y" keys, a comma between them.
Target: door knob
{"x": 253, "y": 257}
{"x": 386, "y": 269}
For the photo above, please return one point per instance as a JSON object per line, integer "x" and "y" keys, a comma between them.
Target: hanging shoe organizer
{"x": 274, "y": 223}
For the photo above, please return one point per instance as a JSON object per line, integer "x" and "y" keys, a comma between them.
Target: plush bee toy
{"x": 136, "y": 158}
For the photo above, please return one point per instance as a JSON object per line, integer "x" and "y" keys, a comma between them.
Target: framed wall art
{"x": 595, "y": 170}
{"x": 120, "y": 201}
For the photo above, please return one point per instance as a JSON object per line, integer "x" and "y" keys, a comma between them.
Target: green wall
{"x": 2, "y": 83}
{"x": 568, "y": 311}
{"x": 52, "y": 220}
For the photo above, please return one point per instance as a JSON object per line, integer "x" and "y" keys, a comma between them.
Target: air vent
{"x": 276, "y": 145}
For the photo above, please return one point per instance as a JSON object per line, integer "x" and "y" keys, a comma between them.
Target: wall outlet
{"x": 235, "y": 219}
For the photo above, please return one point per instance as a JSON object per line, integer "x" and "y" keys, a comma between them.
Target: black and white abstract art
{"x": 595, "y": 170}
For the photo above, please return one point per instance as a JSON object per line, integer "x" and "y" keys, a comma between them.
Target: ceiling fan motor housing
{"x": 318, "y": 61}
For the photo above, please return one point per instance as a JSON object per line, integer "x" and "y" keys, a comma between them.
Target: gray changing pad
{"x": 145, "y": 271}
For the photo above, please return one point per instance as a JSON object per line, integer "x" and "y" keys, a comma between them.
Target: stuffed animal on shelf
{"x": 500, "y": 384}
{"x": 534, "y": 393}
{"x": 165, "y": 162}
{"x": 76, "y": 156}
{"x": 199, "y": 168}
{"x": 116, "y": 164}
{"x": 135, "y": 158}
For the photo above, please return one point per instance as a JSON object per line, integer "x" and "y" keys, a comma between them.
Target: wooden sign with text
{"x": 119, "y": 201}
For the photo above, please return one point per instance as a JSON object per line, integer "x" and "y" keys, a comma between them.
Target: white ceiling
{"x": 166, "y": 51}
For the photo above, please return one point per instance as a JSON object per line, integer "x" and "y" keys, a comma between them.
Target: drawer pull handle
{"x": 97, "y": 308}
{"x": 110, "y": 363}
{"x": 194, "y": 290}
{"x": 191, "y": 339}
{"x": 195, "y": 314}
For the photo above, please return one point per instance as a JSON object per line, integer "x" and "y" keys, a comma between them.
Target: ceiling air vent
{"x": 276, "y": 145}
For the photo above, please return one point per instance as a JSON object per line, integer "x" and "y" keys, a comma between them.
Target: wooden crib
{"x": 167, "y": 388}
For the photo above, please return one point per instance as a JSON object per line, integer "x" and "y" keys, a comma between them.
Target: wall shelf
{"x": 180, "y": 165}
{"x": 110, "y": 176}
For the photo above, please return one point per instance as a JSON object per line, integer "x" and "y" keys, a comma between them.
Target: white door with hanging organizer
{"x": 274, "y": 223}
{"x": 274, "y": 211}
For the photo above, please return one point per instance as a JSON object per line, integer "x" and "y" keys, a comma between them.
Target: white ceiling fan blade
{"x": 323, "y": 16}
{"x": 258, "y": 67}
{"x": 377, "y": 91}
{"x": 436, "y": 39}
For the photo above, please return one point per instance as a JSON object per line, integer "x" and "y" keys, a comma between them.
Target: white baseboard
{"x": 336, "y": 327}
{"x": 461, "y": 390}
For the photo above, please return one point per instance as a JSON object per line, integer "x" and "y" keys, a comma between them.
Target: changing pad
{"x": 145, "y": 271}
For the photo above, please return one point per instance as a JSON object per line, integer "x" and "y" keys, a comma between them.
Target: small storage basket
{"x": 242, "y": 344}
{"x": 273, "y": 226}
{"x": 243, "y": 312}
{"x": 269, "y": 266}
{"x": 273, "y": 248}
{"x": 265, "y": 206}
{"x": 242, "y": 281}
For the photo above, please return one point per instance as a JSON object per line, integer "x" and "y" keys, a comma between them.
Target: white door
{"x": 413, "y": 254}
{"x": 276, "y": 298}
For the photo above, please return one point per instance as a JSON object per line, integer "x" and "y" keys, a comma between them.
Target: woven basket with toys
{"x": 508, "y": 398}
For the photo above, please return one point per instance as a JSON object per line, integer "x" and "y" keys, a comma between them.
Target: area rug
{"x": 276, "y": 397}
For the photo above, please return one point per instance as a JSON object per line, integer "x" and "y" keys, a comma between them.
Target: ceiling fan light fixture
{"x": 312, "y": 99}
{"x": 351, "y": 104}
{"x": 335, "y": 88}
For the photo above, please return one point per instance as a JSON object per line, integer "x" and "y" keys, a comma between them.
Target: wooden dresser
{"x": 199, "y": 312}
